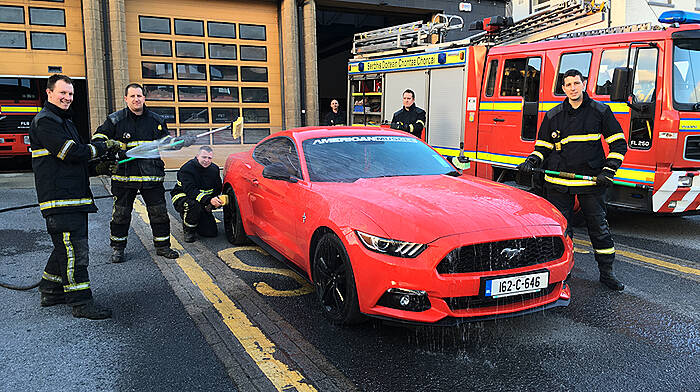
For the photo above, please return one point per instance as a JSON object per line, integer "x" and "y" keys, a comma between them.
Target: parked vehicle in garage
{"x": 385, "y": 226}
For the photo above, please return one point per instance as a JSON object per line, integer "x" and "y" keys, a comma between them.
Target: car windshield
{"x": 349, "y": 158}
{"x": 686, "y": 73}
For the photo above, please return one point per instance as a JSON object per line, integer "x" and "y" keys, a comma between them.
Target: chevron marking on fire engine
{"x": 647, "y": 259}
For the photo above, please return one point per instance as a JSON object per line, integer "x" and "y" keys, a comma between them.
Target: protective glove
{"x": 605, "y": 178}
{"x": 106, "y": 168}
{"x": 527, "y": 166}
{"x": 188, "y": 140}
{"x": 115, "y": 145}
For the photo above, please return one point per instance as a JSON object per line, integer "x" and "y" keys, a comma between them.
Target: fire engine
{"x": 485, "y": 96}
{"x": 20, "y": 101}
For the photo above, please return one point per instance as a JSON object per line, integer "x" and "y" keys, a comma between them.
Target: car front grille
{"x": 692, "y": 148}
{"x": 502, "y": 255}
{"x": 464, "y": 303}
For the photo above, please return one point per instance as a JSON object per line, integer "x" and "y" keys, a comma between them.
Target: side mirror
{"x": 620, "y": 89}
{"x": 278, "y": 171}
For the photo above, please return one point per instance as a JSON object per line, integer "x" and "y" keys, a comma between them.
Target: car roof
{"x": 305, "y": 133}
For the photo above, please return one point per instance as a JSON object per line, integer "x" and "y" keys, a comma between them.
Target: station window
{"x": 222, "y": 51}
{"x": 579, "y": 61}
{"x": 254, "y": 32}
{"x": 256, "y": 116}
{"x": 47, "y": 16}
{"x": 254, "y": 135}
{"x": 221, "y": 29}
{"x": 167, "y": 113}
{"x": 154, "y": 47}
{"x": 10, "y": 14}
{"x": 255, "y": 94}
{"x": 195, "y": 132}
{"x": 159, "y": 92}
{"x": 48, "y": 41}
{"x": 253, "y": 53}
{"x": 491, "y": 80}
{"x": 189, "y": 49}
{"x": 223, "y": 72}
{"x": 152, "y": 24}
{"x": 191, "y": 71}
{"x": 13, "y": 39}
{"x": 189, "y": 27}
{"x": 609, "y": 60}
{"x": 224, "y": 115}
{"x": 224, "y": 94}
{"x": 194, "y": 115}
{"x": 192, "y": 93}
{"x": 156, "y": 70}
{"x": 224, "y": 137}
{"x": 253, "y": 74}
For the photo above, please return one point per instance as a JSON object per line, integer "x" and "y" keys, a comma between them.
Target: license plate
{"x": 26, "y": 139}
{"x": 513, "y": 285}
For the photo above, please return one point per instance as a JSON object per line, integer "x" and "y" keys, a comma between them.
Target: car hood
{"x": 424, "y": 208}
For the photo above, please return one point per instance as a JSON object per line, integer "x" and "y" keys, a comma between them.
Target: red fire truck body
{"x": 507, "y": 90}
{"x": 20, "y": 101}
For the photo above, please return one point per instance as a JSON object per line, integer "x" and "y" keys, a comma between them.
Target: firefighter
{"x": 133, "y": 126}
{"x": 409, "y": 118}
{"x": 196, "y": 194}
{"x": 335, "y": 116}
{"x": 61, "y": 175}
{"x": 569, "y": 141}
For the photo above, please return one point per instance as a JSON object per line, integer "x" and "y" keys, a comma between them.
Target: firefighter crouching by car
{"x": 196, "y": 194}
{"x": 410, "y": 118}
{"x": 569, "y": 141}
{"x": 133, "y": 126}
{"x": 61, "y": 175}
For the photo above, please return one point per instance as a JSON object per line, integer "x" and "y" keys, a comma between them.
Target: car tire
{"x": 334, "y": 281}
{"x": 233, "y": 223}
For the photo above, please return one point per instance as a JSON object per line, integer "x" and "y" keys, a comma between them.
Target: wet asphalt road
{"x": 644, "y": 339}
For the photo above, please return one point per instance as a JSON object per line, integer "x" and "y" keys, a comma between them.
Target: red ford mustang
{"x": 384, "y": 226}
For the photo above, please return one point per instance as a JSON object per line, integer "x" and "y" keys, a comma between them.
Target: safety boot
{"x": 47, "y": 300}
{"x": 167, "y": 252}
{"x": 91, "y": 311}
{"x": 190, "y": 236}
{"x": 118, "y": 255}
{"x": 607, "y": 277}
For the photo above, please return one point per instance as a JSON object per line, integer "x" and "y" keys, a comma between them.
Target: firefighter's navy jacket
{"x": 133, "y": 130}
{"x": 411, "y": 120}
{"x": 60, "y": 163}
{"x": 569, "y": 141}
{"x": 197, "y": 183}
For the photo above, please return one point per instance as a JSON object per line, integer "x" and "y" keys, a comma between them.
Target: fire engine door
{"x": 520, "y": 78}
{"x": 643, "y": 99}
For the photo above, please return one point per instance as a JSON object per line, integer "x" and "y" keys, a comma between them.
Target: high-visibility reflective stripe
{"x": 161, "y": 239}
{"x": 410, "y": 127}
{"x": 547, "y": 106}
{"x": 204, "y": 192}
{"x": 70, "y": 255}
{"x": 581, "y": 138}
{"x": 187, "y": 224}
{"x": 76, "y": 286}
{"x": 19, "y": 109}
{"x": 608, "y": 251}
{"x": 136, "y": 143}
{"x": 566, "y": 182}
{"x": 64, "y": 203}
{"x": 544, "y": 144}
{"x": 50, "y": 277}
{"x": 64, "y": 150}
{"x": 93, "y": 151}
{"x": 99, "y": 136}
{"x": 421, "y": 121}
{"x": 118, "y": 239}
{"x": 616, "y": 155}
{"x": 137, "y": 178}
{"x": 614, "y": 137}
{"x": 538, "y": 154}
{"x": 689, "y": 124}
{"x": 42, "y": 152}
{"x": 178, "y": 197}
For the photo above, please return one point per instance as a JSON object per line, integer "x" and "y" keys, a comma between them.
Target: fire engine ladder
{"x": 554, "y": 20}
{"x": 406, "y": 35}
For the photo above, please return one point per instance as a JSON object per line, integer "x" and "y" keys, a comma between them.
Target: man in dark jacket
{"x": 569, "y": 141}
{"x": 335, "y": 116}
{"x": 409, "y": 118}
{"x": 61, "y": 175}
{"x": 133, "y": 126}
{"x": 196, "y": 194}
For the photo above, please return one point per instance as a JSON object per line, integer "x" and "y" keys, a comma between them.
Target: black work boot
{"x": 91, "y": 311}
{"x": 190, "y": 236}
{"x": 118, "y": 255}
{"x": 607, "y": 277}
{"x": 47, "y": 300}
{"x": 167, "y": 252}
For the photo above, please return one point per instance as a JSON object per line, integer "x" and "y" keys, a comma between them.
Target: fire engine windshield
{"x": 686, "y": 74}
{"x": 349, "y": 158}
{"x": 17, "y": 89}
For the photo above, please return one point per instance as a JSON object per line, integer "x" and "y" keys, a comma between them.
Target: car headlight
{"x": 390, "y": 247}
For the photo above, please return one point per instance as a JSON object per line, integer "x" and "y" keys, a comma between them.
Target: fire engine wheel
{"x": 335, "y": 281}
{"x": 233, "y": 223}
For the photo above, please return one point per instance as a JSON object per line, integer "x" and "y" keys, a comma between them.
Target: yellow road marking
{"x": 253, "y": 340}
{"x": 229, "y": 256}
{"x": 649, "y": 260}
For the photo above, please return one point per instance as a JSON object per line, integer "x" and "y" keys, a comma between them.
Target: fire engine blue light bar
{"x": 677, "y": 16}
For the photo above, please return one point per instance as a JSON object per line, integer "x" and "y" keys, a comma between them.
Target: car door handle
{"x": 499, "y": 119}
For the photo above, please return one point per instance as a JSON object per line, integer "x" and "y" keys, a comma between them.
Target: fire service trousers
{"x": 66, "y": 271}
{"x": 121, "y": 214}
{"x": 195, "y": 218}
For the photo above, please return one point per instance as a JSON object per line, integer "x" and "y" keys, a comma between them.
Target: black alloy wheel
{"x": 233, "y": 224}
{"x": 335, "y": 281}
